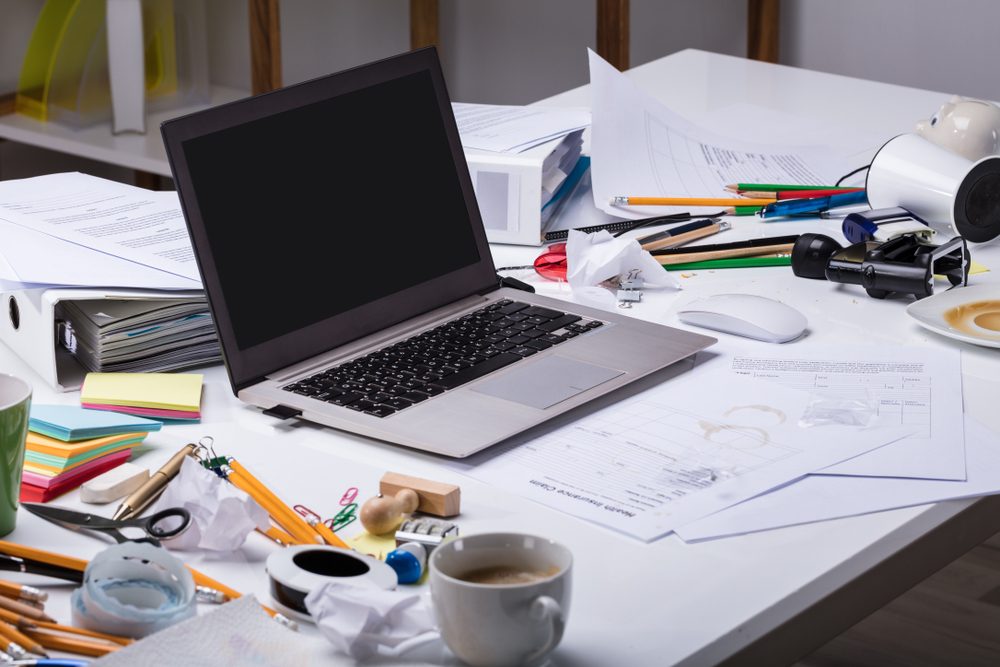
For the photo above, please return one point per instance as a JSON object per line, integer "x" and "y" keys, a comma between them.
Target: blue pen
{"x": 814, "y": 205}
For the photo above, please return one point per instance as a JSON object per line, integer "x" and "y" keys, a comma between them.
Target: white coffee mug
{"x": 495, "y": 624}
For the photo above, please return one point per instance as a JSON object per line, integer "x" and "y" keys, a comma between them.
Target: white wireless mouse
{"x": 746, "y": 315}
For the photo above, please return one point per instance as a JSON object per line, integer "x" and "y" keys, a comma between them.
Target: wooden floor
{"x": 952, "y": 618}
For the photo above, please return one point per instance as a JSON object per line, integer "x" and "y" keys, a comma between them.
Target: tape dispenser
{"x": 905, "y": 263}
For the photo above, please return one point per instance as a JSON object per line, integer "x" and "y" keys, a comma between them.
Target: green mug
{"x": 15, "y": 403}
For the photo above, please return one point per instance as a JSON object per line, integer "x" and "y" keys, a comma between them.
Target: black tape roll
{"x": 977, "y": 202}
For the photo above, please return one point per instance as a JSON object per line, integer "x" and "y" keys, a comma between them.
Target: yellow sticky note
{"x": 163, "y": 391}
{"x": 378, "y": 546}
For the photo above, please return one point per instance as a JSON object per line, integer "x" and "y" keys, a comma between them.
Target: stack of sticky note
{"x": 170, "y": 396}
{"x": 67, "y": 445}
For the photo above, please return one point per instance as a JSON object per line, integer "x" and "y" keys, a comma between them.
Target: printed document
{"x": 113, "y": 218}
{"x": 915, "y": 387}
{"x": 681, "y": 450}
{"x": 822, "y": 497}
{"x": 514, "y": 129}
{"x": 641, "y": 148}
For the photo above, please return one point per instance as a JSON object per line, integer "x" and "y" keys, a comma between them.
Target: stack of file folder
{"x": 163, "y": 396}
{"x": 67, "y": 445}
{"x": 139, "y": 335}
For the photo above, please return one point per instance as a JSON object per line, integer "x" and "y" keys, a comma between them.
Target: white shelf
{"x": 136, "y": 151}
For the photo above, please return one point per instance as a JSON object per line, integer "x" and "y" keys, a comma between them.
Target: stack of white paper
{"x": 78, "y": 230}
{"x": 514, "y": 129}
{"x": 750, "y": 440}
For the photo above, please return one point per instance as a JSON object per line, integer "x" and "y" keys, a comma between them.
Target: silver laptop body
{"x": 370, "y": 304}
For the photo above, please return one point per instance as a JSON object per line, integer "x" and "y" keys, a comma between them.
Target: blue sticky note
{"x": 70, "y": 423}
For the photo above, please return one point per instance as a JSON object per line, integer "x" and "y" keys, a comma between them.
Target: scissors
{"x": 157, "y": 527}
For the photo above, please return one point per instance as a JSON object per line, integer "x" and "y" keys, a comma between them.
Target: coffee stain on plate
{"x": 978, "y": 318}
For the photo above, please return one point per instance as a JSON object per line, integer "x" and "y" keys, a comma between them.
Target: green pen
{"x": 731, "y": 263}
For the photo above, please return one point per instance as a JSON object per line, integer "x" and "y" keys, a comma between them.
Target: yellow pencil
{"x": 56, "y": 627}
{"x": 22, "y": 592}
{"x": 24, "y": 609}
{"x": 689, "y": 201}
{"x": 49, "y": 558}
{"x": 290, "y": 520}
{"x": 278, "y": 536}
{"x": 329, "y": 536}
{"x": 13, "y": 634}
{"x": 72, "y": 644}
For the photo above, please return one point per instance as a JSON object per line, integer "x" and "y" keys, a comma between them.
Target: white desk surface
{"x": 637, "y": 604}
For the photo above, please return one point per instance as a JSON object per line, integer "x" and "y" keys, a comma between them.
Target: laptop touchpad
{"x": 545, "y": 382}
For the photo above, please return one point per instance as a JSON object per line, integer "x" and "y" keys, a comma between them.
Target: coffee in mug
{"x": 501, "y": 598}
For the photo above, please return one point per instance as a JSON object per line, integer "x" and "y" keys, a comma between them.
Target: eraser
{"x": 114, "y": 484}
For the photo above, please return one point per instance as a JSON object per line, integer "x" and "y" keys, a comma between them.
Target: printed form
{"x": 641, "y": 148}
{"x": 684, "y": 449}
{"x": 917, "y": 388}
{"x": 823, "y": 497}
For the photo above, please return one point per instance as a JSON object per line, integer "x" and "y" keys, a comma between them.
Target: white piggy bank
{"x": 968, "y": 127}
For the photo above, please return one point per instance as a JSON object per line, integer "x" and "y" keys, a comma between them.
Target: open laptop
{"x": 346, "y": 264}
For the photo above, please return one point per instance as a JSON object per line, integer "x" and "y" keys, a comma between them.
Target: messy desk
{"x": 762, "y": 597}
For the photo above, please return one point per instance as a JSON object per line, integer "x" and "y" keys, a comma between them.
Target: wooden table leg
{"x": 613, "y": 32}
{"x": 265, "y": 45}
{"x": 762, "y": 29}
{"x": 423, "y": 23}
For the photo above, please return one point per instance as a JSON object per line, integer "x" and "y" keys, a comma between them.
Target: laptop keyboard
{"x": 459, "y": 351}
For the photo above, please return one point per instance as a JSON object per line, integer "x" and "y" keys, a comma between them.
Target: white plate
{"x": 929, "y": 313}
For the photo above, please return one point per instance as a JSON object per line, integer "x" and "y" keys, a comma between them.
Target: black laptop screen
{"x": 316, "y": 210}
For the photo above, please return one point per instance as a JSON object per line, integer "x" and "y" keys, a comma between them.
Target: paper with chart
{"x": 684, "y": 449}
{"x": 822, "y": 497}
{"x": 915, "y": 387}
{"x": 641, "y": 148}
{"x": 119, "y": 220}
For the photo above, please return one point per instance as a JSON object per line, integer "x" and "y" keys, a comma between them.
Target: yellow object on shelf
{"x": 64, "y": 77}
{"x": 64, "y": 74}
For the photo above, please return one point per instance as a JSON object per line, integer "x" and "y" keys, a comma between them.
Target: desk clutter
{"x": 753, "y": 437}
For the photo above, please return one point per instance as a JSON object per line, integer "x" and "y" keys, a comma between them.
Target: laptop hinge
{"x": 282, "y": 412}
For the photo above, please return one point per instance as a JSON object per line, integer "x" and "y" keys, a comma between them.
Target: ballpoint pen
{"x": 815, "y": 205}
{"x": 142, "y": 497}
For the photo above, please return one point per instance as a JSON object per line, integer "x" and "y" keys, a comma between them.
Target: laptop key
{"x": 362, "y": 405}
{"x": 477, "y": 371}
{"x": 415, "y": 396}
{"x": 513, "y": 307}
{"x": 538, "y": 345}
{"x": 397, "y": 403}
{"x": 542, "y": 312}
{"x": 380, "y": 411}
{"x": 524, "y": 351}
{"x": 559, "y": 323}
{"x": 347, "y": 399}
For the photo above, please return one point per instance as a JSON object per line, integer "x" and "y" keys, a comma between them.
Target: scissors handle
{"x": 158, "y": 525}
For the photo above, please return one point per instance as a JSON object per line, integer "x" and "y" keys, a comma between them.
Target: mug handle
{"x": 543, "y": 608}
